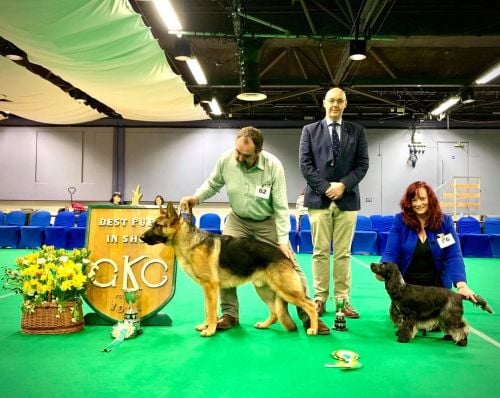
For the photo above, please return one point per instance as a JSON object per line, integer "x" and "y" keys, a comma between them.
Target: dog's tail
{"x": 481, "y": 302}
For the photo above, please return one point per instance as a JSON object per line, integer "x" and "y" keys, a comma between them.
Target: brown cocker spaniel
{"x": 416, "y": 308}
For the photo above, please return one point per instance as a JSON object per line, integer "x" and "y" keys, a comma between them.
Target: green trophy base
{"x": 93, "y": 319}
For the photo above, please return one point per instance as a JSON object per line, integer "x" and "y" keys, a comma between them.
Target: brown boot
{"x": 350, "y": 312}
{"x": 322, "y": 328}
{"x": 320, "y": 307}
{"x": 226, "y": 322}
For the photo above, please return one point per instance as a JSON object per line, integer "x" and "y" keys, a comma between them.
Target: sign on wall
{"x": 125, "y": 262}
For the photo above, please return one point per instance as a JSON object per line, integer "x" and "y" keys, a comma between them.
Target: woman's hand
{"x": 466, "y": 292}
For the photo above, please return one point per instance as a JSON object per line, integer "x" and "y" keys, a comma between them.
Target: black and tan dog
{"x": 416, "y": 308}
{"x": 220, "y": 261}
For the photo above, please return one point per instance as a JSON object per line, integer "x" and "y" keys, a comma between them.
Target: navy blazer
{"x": 319, "y": 168}
{"x": 449, "y": 261}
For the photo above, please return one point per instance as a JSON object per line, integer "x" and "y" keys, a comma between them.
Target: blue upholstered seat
{"x": 473, "y": 242}
{"x": 10, "y": 231}
{"x": 33, "y": 235}
{"x": 210, "y": 222}
{"x": 75, "y": 236}
{"x": 56, "y": 235}
{"x": 293, "y": 234}
{"x": 491, "y": 227}
{"x": 365, "y": 239}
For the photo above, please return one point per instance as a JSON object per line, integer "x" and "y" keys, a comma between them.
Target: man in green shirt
{"x": 256, "y": 187}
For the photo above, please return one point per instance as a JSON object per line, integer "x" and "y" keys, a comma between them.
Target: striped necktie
{"x": 335, "y": 139}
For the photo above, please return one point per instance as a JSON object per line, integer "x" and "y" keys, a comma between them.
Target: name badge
{"x": 445, "y": 240}
{"x": 263, "y": 191}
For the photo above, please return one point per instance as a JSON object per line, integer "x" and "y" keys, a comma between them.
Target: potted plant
{"x": 51, "y": 281}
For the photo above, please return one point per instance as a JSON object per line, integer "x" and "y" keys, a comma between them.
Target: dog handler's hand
{"x": 188, "y": 201}
{"x": 466, "y": 292}
{"x": 286, "y": 250}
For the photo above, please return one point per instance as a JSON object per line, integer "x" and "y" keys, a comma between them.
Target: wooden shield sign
{"x": 125, "y": 262}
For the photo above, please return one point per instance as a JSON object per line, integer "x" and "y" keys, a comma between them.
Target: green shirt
{"x": 243, "y": 186}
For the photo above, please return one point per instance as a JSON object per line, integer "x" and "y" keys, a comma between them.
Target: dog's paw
{"x": 207, "y": 332}
{"x": 402, "y": 339}
{"x": 201, "y": 327}
{"x": 463, "y": 342}
{"x": 261, "y": 325}
{"x": 312, "y": 332}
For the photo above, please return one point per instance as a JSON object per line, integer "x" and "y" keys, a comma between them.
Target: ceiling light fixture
{"x": 488, "y": 76}
{"x": 196, "y": 70}
{"x": 467, "y": 96}
{"x": 249, "y": 72}
{"x": 14, "y": 57}
{"x": 444, "y": 106}
{"x": 251, "y": 96}
{"x": 169, "y": 16}
{"x": 357, "y": 50}
{"x": 214, "y": 107}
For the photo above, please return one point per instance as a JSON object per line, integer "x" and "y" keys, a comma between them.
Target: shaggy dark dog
{"x": 424, "y": 307}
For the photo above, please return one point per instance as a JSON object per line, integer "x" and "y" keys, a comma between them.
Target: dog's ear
{"x": 170, "y": 212}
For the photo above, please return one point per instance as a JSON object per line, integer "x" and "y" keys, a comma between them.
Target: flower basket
{"x": 51, "y": 282}
{"x": 49, "y": 318}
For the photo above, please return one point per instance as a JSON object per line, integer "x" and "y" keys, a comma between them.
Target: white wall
{"x": 39, "y": 164}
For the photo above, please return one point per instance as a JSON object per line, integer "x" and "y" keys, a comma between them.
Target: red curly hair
{"x": 435, "y": 218}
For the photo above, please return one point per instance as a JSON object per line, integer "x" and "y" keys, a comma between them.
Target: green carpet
{"x": 245, "y": 362}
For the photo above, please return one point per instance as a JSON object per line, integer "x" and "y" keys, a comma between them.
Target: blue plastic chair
{"x": 305, "y": 223}
{"x": 10, "y": 231}
{"x": 75, "y": 238}
{"x": 495, "y": 245}
{"x": 473, "y": 242}
{"x": 491, "y": 227}
{"x": 305, "y": 241}
{"x": 383, "y": 226}
{"x": 293, "y": 234}
{"x": 468, "y": 225}
{"x": 2, "y": 217}
{"x": 81, "y": 220}
{"x": 56, "y": 235}
{"x": 33, "y": 235}
{"x": 210, "y": 222}
{"x": 365, "y": 239}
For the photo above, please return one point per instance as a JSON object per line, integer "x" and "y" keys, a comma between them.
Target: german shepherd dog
{"x": 416, "y": 308}
{"x": 219, "y": 261}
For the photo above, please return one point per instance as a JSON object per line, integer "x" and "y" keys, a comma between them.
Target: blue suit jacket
{"x": 449, "y": 262}
{"x": 319, "y": 167}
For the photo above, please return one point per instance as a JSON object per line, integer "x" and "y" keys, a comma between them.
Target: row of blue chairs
{"x": 68, "y": 230}
{"x": 370, "y": 235}
{"x": 477, "y": 241}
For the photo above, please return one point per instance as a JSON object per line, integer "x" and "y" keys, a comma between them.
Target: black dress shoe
{"x": 226, "y": 322}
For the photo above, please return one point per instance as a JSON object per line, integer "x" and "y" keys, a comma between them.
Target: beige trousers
{"x": 327, "y": 225}
{"x": 261, "y": 230}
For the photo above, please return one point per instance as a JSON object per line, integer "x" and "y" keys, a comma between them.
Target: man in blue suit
{"x": 333, "y": 158}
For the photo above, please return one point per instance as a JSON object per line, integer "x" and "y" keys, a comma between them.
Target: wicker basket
{"x": 45, "y": 321}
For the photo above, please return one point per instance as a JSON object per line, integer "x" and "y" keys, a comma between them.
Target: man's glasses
{"x": 339, "y": 101}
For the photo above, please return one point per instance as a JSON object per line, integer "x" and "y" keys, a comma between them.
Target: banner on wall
{"x": 125, "y": 262}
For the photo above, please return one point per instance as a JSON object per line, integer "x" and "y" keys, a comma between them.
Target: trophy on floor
{"x": 132, "y": 313}
{"x": 339, "y": 323}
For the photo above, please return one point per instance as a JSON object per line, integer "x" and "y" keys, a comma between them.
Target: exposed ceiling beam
{"x": 378, "y": 98}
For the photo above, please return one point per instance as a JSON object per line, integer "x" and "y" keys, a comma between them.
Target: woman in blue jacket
{"x": 424, "y": 244}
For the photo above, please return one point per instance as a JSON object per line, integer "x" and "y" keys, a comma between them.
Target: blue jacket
{"x": 319, "y": 168}
{"x": 401, "y": 244}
